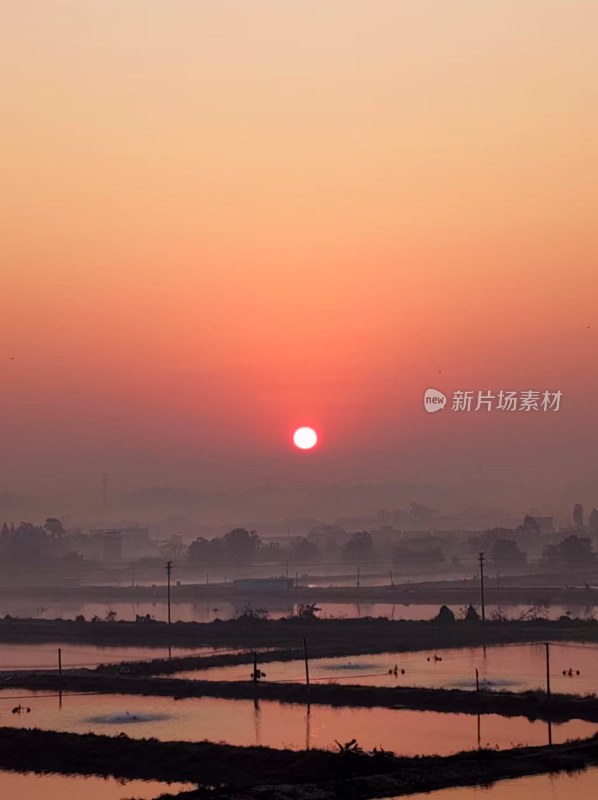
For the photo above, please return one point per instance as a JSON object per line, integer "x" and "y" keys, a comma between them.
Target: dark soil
{"x": 249, "y": 773}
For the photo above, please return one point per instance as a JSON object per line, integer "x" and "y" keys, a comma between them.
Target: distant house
{"x": 121, "y": 544}
{"x": 112, "y": 546}
{"x": 545, "y": 524}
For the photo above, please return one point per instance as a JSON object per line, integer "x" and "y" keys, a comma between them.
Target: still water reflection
{"x": 244, "y": 722}
{"x": 511, "y": 667}
{"x": 47, "y": 787}
{"x": 45, "y": 656}
{"x": 563, "y": 786}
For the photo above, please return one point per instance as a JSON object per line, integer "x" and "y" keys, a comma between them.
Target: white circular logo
{"x": 434, "y": 400}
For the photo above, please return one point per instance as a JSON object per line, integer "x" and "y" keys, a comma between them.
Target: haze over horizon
{"x": 222, "y": 221}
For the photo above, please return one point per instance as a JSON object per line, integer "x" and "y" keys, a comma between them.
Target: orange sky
{"x": 222, "y": 219}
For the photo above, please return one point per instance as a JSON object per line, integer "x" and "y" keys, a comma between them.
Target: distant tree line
{"x": 238, "y": 545}
{"x": 28, "y": 544}
{"x": 244, "y": 546}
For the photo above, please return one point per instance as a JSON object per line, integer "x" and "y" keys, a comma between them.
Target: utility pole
{"x": 168, "y": 571}
{"x": 255, "y": 668}
{"x": 482, "y": 557}
{"x": 306, "y": 663}
{"x": 60, "y": 665}
{"x": 358, "y": 575}
{"x": 477, "y": 680}
{"x": 547, "y": 646}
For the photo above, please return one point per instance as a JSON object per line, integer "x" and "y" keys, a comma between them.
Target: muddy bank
{"x": 533, "y": 705}
{"x": 249, "y": 773}
{"x": 327, "y": 637}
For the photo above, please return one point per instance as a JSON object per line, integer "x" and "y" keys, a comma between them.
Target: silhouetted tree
{"x": 572, "y": 550}
{"x": 303, "y": 550}
{"x": 593, "y": 521}
{"x": 328, "y": 537}
{"x": 578, "y": 515}
{"x": 506, "y": 552}
{"x": 200, "y": 550}
{"x": 445, "y": 615}
{"x": 54, "y": 527}
{"x": 251, "y": 614}
{"x": 242, "y": 544}
{"x": 471, "y": 615}
{"x": 360, "y": 547}
{"x": 530, "y": 526}
{"x": 173, "y": 550}
{"x": 307, "y": 611}
{"x": 203, "y": 551}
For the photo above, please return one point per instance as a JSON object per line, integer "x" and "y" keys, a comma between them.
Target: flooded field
{"x": 209, "y": 610}
{"x": 243, "y": 722}
{"x": 517, "y": 667}
{"x": 40, "y": 787}
{"x": 45, "y": 656}
{"x": 541, "y": 787}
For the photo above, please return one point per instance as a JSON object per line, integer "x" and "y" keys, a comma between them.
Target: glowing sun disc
{"x": 305, "y": 438}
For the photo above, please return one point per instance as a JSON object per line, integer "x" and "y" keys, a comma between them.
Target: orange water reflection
{"x": 41, "y": 787}
{"x": 45, "y": 656}
{"x": 516, "y": 667}
{"x": 562, "y": 786}
{"x": 244, "y": 722}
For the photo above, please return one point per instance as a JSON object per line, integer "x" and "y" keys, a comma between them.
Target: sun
{"x": 305, "y": 438}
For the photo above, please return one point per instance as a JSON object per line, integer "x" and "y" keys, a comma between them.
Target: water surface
{"x": 562, "y": 786}
{"x": 273, "y": 724}
{"x": 45, "y": 656}
{"x": 32, "y": 786}
{"x": 517, "y": 668}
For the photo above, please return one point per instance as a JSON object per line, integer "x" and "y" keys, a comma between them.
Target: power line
{"x": 42, "y": 696}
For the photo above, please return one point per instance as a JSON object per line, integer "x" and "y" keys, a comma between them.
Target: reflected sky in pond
{"x": 32, "y": 786}
{"x": 561, "y": 786}
{"x": 516, "y": 667}
{"x": 273, "y": 724}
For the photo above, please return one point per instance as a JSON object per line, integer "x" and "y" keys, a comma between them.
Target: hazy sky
{"x": 222, "y": 219}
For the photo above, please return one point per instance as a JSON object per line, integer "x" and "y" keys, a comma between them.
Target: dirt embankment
{"x": 325, "y": 637}
{"x": 249, "y": 773}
